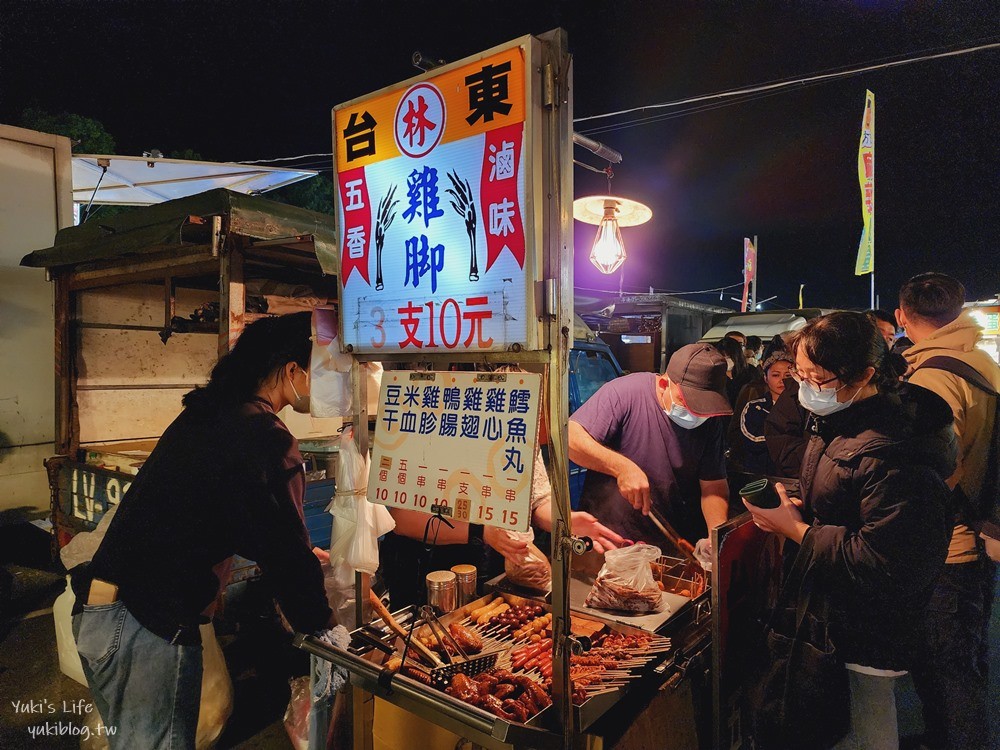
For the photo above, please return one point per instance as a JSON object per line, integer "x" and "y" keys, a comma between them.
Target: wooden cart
{"x": 145, "y": 303}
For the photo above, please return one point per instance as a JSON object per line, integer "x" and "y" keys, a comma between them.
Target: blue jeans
{"x": 874, "y": 724}
{"x": 952, "y": 672}
{"x": 148, "y": 691}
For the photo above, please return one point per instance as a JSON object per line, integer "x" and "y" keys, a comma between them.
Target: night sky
{"x": 242, "y": 79}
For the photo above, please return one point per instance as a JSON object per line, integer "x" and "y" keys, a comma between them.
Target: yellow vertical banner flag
{"x": 866, "y": 177}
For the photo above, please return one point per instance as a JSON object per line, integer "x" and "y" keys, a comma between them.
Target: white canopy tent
{"x": 143, "y": 181}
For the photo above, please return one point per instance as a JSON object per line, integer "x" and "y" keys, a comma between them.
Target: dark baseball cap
{"x": 700, "y": 371}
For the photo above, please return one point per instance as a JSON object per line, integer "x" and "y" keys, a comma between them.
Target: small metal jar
{"x": 442, "y": 590}
{"x": 466, "y": 575}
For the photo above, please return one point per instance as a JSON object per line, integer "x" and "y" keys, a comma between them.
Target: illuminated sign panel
{"x": 431, "y": 181}
{"x": 457, "y": 443}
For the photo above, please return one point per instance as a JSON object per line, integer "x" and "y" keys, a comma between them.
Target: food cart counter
{"x": 624, "y": 661}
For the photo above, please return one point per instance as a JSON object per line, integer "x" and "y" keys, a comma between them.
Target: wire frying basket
{"x": 677, "y": 575}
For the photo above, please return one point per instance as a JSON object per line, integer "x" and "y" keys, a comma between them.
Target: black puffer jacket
{"x": 873, "y": 483}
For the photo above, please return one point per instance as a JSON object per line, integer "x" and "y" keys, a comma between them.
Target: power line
{"x": 281, "y": 158}
{"x": 737, "y": 96}
{"x": 680, "y": 113}
{"x": 793, "y": 82}
{"x": 663, "y": 291}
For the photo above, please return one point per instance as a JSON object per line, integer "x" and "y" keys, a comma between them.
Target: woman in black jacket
{"x": 872, "y": 486}
{"x": 225, "y": 478}
{"x": 739, "y": 371}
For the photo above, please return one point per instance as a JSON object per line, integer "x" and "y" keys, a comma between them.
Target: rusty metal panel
{"x": 109, "y": 415}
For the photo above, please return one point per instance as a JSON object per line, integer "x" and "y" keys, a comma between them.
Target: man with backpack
{"x": 951, "y": 677}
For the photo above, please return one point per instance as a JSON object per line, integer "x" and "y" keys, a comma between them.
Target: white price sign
{"x": 457, "y": 443}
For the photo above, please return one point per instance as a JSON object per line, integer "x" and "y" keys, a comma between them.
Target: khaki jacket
{"x": 973, "y": 410}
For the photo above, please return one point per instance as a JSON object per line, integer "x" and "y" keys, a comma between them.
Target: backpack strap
{"x": 990, "y": 524}
{"x": 962, "y": 370}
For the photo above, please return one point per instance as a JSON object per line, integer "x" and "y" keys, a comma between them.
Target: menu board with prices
{"x": 461, "y": 444}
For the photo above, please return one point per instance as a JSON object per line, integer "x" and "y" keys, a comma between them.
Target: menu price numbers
{"x": 488, "y": 513}
{"x": 403, "y": 499}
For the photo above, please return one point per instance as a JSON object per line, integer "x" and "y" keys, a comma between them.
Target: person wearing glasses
{"x": 873, "y": 515}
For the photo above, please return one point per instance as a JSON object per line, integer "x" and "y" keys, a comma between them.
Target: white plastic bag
{"x": 352, "y": 467}
{"x": 362, "y": 555}
{"x": 338, "y": 580}
{"x": 345, "y": 521}
{"x": 297, "y": 713}
{"x": 82, "y": 547}
{"x": 370, "y": 521}
{"x": 374, "y": 372}
{"x": 626, "y": 580}
{"x": 330, "y": 391}
{"x": 533, "y": 570}
{"x": 216, "y": 691}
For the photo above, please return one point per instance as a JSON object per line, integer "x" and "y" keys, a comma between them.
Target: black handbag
{"x": 800, "y": 698}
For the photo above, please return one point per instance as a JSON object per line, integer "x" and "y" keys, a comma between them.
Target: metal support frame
{"x": 557, "y": 158}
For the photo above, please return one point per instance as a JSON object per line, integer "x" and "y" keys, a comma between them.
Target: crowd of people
{"x": 887, "y": 448}
{"x": 881, "y": 446}
{"x": 881, "y": 449}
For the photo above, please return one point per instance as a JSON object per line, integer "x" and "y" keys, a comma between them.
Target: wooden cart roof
{"x": 153, "y": 229}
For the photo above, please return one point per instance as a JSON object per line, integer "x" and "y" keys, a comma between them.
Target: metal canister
{"x": 466, "y": 575}
{"x": 442, "y": 590}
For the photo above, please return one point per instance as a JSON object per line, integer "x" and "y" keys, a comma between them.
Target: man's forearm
{"x": 590, "y": 454}
{"x": 413, "y": 524}
{"x": 715, "y": 509}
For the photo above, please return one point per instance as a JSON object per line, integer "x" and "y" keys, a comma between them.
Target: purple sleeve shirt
{"x": 626, "y": 416}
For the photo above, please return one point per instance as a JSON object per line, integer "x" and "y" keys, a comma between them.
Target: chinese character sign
{"x": 431, "y": 184}
{"x": 457, "y": 443}
{"x": 865, "y": 262}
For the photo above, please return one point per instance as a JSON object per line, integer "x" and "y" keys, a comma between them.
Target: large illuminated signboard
{"x": 436, "y": 248}
{"x": 460, "y": 444}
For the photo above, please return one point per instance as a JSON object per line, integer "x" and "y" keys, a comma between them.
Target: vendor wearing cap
{"x": 657, "y": 442}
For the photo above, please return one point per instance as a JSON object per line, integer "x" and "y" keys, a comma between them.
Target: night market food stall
{"x": 453, "y": 201}
{"x": 453, "y": 194}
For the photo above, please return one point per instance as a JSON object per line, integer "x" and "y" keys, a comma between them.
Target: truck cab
{"x": 767, "y": 325}
{"x": 591, "y": 365}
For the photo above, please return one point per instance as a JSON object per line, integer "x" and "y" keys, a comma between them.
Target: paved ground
{"x": 50, "y": 701}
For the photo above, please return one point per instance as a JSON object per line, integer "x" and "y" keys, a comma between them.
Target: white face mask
{"x": 301, "y": 403}
{"x": 683, "y": 418}
{"x": 730, "y": 364}
{"x": 823, "y": 401}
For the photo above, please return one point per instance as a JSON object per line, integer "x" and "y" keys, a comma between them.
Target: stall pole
{"x": 64, "y": 374}
{"x": 362, "y": 704}
{"x": 232, "y": 302}
{"x": 664, "y": 325}
{"x": 557, "y": 144}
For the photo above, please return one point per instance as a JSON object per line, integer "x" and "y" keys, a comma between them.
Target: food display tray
{"x": 377, "y": 644}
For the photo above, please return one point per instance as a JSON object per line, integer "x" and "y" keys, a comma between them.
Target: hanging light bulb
{"x": 608, "y": 252}
{"x": 609, "y": 213}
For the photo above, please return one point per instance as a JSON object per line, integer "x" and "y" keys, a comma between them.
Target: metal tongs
{"x": 673, "y": 537}
{"x": 442, "y": 634}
